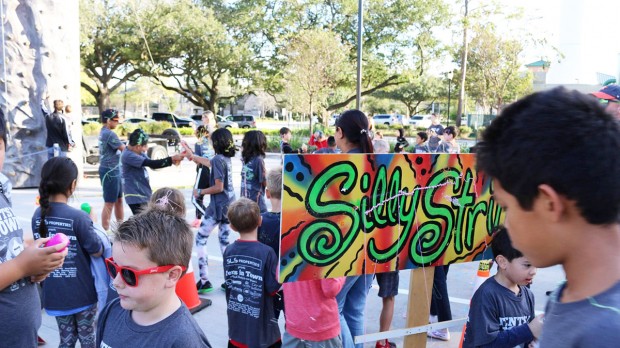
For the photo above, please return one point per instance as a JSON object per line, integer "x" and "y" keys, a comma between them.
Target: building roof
{"x": 539, "y": 63}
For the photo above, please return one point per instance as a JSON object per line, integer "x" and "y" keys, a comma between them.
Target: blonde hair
{"x": 170, "y": 200}
{"x": 274, "y": 182}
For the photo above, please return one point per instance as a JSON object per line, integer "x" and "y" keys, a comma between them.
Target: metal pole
{"x": 358, "y": 100}
{"x": 449, "y": 88}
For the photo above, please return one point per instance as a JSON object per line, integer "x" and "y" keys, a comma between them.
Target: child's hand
{"x": 536, "y": 325}
{"x": 39, "y": 261}
{"x": 304, "y": 148}
{"x": 188, "y": 150}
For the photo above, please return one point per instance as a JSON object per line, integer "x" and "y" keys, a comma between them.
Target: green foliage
{"x": 464, "y": 131}
{"x": 477, "y": 133}
{"x": 91, "y": 128}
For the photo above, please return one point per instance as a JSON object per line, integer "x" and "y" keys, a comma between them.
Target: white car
{"x": 420, "y": 121}
{"x": 385, "y": 119}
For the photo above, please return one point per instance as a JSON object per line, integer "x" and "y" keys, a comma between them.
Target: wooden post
{"x": 418, "y": 306}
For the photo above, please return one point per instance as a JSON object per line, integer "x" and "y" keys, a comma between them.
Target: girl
{"x": 69, "y": 292}
{"x": 353, "y": 136}
{"x": 401, "y": 141}
{"x": 135, "y": 177}
{"x": 222, "y": 195}
{"x": 253, "y": 180}
{"x": 170, "y": 200}
{"x": 202, "y": 148}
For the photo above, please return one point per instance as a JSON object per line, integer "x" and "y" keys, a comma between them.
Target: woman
{"x": 353, "y": 136}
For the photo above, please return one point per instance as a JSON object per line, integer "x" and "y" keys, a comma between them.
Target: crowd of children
{"x": 545, "y": 198}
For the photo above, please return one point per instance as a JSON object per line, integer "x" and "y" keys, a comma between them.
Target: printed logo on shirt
{"x": 507, "y": 323}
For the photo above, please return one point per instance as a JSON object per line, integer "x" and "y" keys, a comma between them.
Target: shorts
{"x": 388, "y": 284}
{"x": 111, "y": 183}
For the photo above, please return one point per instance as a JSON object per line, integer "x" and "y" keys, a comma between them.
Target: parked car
{"x": 137, "y": 120}
{"x": 224, "y": 123}
{"x": 197, "y": 119}
{"x": 420, "y": 121}
{"x": 244, "y": 121}
{"x": 176, "y": 121}
{"x": 86, "y": 121}
{"x": 385, "y": 119}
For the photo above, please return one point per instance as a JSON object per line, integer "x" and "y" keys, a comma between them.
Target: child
{"x": 170, "y": 200}
{"x": 305, "y": 302}
{"x": 559, "y": 187}
{"x": 401, "y": 141}
{"x": 318, "y": 140}
{"x": 420, "y": 143}
{"x": 151, "y": 252}
{"x": 202, "y": 148}
{"x": 331, "y": 146}
{"x": 502, "y": 310}
{"x": 110, "y": 147}
{"x": 285, "y": 136}
{"x": 135, "y": 176}
{"x": 449, "y": 144}
{"x": 75, "y": 314}
{"x": 269, "y": 230}
{"x": 250, "y": 273}
{"x": 21, "y": 266}
{"x": 222, "y": 195}
{"x": 253, "y": 172}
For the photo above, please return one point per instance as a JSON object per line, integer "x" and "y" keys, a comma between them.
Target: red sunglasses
{"x": 130, "y": 275}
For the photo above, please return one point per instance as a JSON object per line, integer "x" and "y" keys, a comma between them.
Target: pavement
{"x": 212, "y": 320}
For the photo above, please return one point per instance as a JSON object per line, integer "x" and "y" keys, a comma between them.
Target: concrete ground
{"x": 212, "y": 319}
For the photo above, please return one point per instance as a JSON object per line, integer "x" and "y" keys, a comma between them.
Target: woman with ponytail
{"x": 353, "y": 136}
{"x": 69, "y": 292}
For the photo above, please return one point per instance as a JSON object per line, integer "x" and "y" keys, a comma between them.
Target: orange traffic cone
{"x": 187, "y": 292}
{"x": 484, "y": 272}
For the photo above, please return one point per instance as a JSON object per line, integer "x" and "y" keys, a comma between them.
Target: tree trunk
{"x": 459, "y": 109}
{"x": 40, "y": 41}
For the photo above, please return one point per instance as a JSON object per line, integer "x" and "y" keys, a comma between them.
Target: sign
{"x": 351, "y": 214}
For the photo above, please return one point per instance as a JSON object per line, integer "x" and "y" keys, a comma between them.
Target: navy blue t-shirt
{"x": 269, "y": 231}
{"x": 221, "y": 169}
{"x": 252, "y": 180}
{"x": 135, "y": 177}
{"x": 250, "y": 273}
{"x": 72, "y": 285}
{"x": 108, "y": 147}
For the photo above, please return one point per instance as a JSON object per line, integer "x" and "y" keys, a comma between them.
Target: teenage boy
{"x": 151, "y": 252}
{"x": 559, "y": 187}
{"x": 502, "y": 310}
{"x": 110, "y": 147}
{"x": 250, "y": 273}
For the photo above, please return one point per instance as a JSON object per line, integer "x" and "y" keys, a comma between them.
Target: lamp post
{"x": 449, "y": 75}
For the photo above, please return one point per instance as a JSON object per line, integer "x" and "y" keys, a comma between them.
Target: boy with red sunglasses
{"x": 151, "y": 252}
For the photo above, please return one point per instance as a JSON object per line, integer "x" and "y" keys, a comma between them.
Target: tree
{"x": 112, "y": 48}
{"x": 316, "y": 64}
{"x": 415, "y": 91}
{"x": 205, "y": 63}
{"x": 495, "y": 68}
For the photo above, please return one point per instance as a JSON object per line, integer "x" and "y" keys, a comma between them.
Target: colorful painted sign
{"x": 351, "y": 214}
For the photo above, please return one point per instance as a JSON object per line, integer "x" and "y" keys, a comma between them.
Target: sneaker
{"x": 196, "y": 223}
{"x": 441, "y": 334}
{"x": 385, "y": 344}
{"x": 205, "y": 287}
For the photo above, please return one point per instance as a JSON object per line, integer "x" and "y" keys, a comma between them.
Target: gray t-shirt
{"x": 135, "y": 178}
{"x": 179, "y": 330}
{"x": 498, "y": 315}
{"x": 250, "y": 273}
{"x": 108, "y": 147}
{"x": 593, "y": 322}
{"x": 221, "y": 169}
{"x": 252, "y": 179}
{"x": 20, "y": 307}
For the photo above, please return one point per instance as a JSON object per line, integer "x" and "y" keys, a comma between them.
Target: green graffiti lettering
{"x": 378, "y": 196}
{"x": 465, "y": 199}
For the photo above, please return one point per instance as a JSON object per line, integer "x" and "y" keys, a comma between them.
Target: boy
{"x": 269, "y": 230}
{"x": 331, "y": 146}
{"x": 110, "y": 148}
{"x": 151, "y": 251}
{"x": 502, "y": 309}
{"x": 21, "y": 266}
{"x": 285, "y": 136}
{"x": 553, "y": 158}
{"x": 250, "y": 273}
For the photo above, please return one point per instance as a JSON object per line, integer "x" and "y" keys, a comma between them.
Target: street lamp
{"x": 449, "y": 75}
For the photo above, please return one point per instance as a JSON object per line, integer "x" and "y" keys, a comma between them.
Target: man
{"x": 110, "y": 148}
{"x": 610, "y": 96}
{"x": 56, "y": 129}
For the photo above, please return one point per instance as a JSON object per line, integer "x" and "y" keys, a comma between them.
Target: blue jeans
{"x": 351, "y": 302}
{"x": 440, "y": 303}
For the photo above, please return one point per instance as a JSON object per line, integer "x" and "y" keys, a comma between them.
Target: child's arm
{"x": 32, "y": 261}
{"x": 211, "y": 190}
{"x": 162, "y": 163}
{"x": 332, "y": 286}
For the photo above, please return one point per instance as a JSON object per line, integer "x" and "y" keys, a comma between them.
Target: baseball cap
{"x": 609, "y": 92}
{"x": 109, "y": 114}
